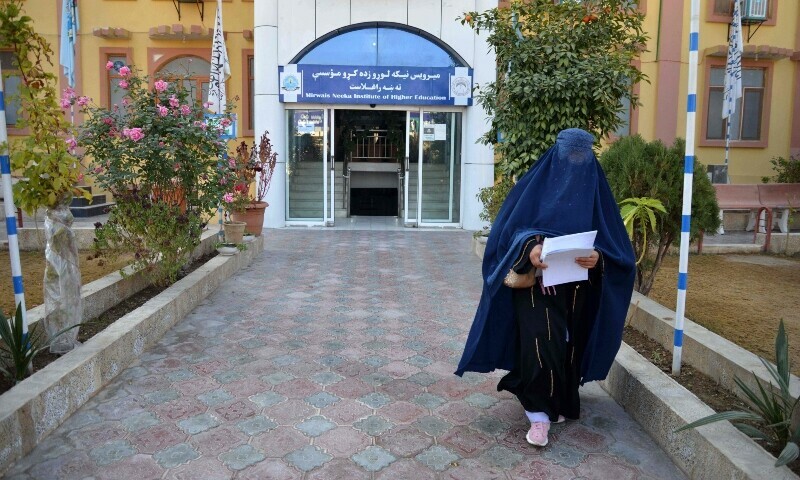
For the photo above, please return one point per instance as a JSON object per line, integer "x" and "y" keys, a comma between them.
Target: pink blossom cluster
{"x": 228, "y": 197}
{"x": 72, "y": 144}
{"x": 69, "y": 98}
{"x": 134, "y": 134}
{"x": 160, "y": 85}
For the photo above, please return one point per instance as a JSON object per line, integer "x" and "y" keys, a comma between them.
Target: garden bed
{"x": 32, "y": 409}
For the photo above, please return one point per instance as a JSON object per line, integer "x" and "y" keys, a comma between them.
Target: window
{"x": 746, "y": 123}
{"x": 624, "y": 114}
{"x": 115, "y": 94}
{"x": 11, "y": 82}
{"x": 722, "y": 10}
{"x": 197, "y": 69}
{"x": 381, "y": 45}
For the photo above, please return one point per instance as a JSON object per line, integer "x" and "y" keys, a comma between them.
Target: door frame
{"x": 328, "y": 163}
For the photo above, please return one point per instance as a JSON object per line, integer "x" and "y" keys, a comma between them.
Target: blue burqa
{"x": 565, "y": 192}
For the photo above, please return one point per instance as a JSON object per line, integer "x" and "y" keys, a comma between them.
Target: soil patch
{"x": 32, "y": 264}
{"x": 739, "y": 297}
{"x": 98, "y": 324}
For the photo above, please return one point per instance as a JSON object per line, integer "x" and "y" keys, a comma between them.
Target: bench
{"x": 780, "y": 196}
{"x": 736, "y": 197}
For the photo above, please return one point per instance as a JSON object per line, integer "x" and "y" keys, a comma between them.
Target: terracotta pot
{"x": 234, "y": 231}
{"x": 253, "y": 216}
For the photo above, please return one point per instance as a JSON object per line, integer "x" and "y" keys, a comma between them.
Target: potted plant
{"x": 252, "y": 164}
{"x": 159, "y": 158}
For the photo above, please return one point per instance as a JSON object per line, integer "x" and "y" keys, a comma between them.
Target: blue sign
{"x": 225, "y": 123}
{"x": 375, "y": 85}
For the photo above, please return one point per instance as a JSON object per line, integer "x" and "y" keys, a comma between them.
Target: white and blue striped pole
{"x": 11, "y": 217}
{"x": 688, "y": 177}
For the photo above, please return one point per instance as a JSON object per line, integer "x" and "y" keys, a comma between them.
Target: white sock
{"x": 537, "y": 416}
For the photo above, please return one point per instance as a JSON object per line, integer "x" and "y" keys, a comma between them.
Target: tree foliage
{"x": 636, "y": 169}
{"x": 49, "y": 172}
{"x": 569, "y": 65}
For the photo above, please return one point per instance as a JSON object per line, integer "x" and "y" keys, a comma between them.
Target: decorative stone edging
{"x": 34, "y": 408}
{"x": 660, "y": 405}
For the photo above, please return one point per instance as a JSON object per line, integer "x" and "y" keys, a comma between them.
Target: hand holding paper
{"x": 560, "y": 252}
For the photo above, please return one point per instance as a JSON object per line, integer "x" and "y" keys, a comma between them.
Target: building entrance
{"x": 373, "y": 162}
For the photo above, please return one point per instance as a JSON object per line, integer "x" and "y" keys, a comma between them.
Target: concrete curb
{"x": 661, "y": 405}
{"x": 33, "y": 409}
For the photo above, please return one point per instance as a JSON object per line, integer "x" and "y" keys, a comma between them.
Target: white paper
{"x": 440, "y": 131}
{"x": 559, "y": 254}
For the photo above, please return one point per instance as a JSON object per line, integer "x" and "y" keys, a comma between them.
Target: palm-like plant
{"x": 770, "y": 407}
{"x": 639, "y": 216}
{"x": 18, "y": 349}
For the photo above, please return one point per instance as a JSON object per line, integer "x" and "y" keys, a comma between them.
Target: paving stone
{"x": 111, "y": 452}
{"x": 419, "y": 361}
{"x": 267, "y": 399}
{"x": 255, "y": 425}
{"x": 502, "y": 457}
{"x": 373, "y": 458}
{"x": 180, "y": 375}
{"x": 139, "y": 421}
{"x": 373, "y": 425}
{"x": 271, "y": 469}
{"x": 315, "y": 426}
{"x": 203, "y": 467}
{"x": 228, "y": 376}
{"x": 342, "y": 441}
{"x": 432, "y": 425}
{"x": 438, "y": 458}
{"x": 424, "y": 379}
{"x": 176, "y": 455}
{"x": 307, "y": 458}
{"x": 376, "y": 361}
{"x": 339, "y": 468}
{"x": 215, "y": 397}
{"x": 403, "y": 412}
{"x": 429, "y": 401}
{"x": 322, "y": 399}
{"x": 278, "y": 378}
{"x": 198, "y": 423}
{"x": 135, "y": 466}
{"x": 241, "y": 457}
{"x": 157, "y": 438}
{"x": 490, "y": 425}
{"x": 218, "y": 440}
{"x": 278, "y": 442}
{"x": 405, "y": 441}
{"x": 162, "y": 396}
{"x": 326, "y": 378}
{"x": 564, "y": 455}
{"x": 375, "y": 400}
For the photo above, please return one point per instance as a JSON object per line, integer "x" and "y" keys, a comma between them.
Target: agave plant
{"x": 639, "y": 216}
{"x": 18, "y": 349}
{"x": 771, "y": 407}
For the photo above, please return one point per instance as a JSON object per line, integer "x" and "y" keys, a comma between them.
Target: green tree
{"x": 636, "y": 169}
{"x": 568, "y": 64}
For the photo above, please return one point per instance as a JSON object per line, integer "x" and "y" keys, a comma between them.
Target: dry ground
{"x": 740, "y": 297}
{"x": 33, "y": 273}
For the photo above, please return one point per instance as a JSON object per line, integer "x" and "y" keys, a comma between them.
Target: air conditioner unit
{"x": 754, "y": 11}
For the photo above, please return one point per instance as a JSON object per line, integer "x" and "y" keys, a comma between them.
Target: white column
{"x": 269, "y": 112}
{"x": 478, "y": 158}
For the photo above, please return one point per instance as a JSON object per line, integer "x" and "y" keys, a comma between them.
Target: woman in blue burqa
{"x": 553, "y": 339}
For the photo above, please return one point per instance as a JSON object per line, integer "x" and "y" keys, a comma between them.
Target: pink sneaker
{"x": 537, "y": 435}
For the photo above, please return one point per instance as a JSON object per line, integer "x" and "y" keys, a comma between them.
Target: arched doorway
{"x": 384, "y": 136}
{"x": 194, "y": 74}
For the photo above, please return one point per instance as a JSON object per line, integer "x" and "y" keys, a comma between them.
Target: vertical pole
{"x": 688, "y": 177}
{"x": 11, "y": 216}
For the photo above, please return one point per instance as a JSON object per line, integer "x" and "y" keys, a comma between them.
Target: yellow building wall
{"x": 746, "y": 165}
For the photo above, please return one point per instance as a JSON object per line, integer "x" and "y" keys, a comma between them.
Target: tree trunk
{"x": 62, "y": 280}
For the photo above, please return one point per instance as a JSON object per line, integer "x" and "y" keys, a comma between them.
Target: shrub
{"x": 636, "y": 168}
{"x": 787, "y": 170}
{"x": 492, "y": 198}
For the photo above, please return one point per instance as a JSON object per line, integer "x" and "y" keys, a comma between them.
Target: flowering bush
{"x": 159, "y": 159}
{"x": 248, "y": 164}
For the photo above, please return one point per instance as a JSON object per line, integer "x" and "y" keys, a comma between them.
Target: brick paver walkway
{"x": 332, "y": 357}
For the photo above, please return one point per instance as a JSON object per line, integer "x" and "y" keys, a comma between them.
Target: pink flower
{"x": 232, "y": 162}
{"x": 162, "y": 110}
{"x": 123, "y": 84}
{"x": 185, "y": 110}
{"x": 80, "y": 177}
{"x": 98, "y": 168}
{"x": 126, "y": 101}
{"x": 83, "y": 100}
{"x": 161, "y": 144}
{"x": 223, "y": 181}
{"x": 176, "y": 166}
{"x": 228, "y": 197}
{"x": 124, "y": 71}
{"x": 71, "y": 143}
{"x": 109, "y": 65}
{"x": 65, "y": 102}
{"x": 160, "y": 85}
{"x": 225, "y": 122}
{"x": 134, "y": 134}
{"x": 108, "y": 121}
{"x": 174, "y": 102}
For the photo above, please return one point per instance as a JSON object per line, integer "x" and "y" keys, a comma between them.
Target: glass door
{"x": 306, "y": 166}
{"x": 433, "y": 168}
